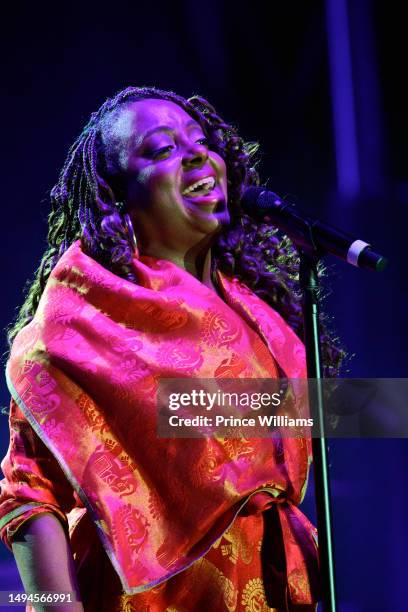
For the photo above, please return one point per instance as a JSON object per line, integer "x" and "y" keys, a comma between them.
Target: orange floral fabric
{"x": 85, "y": 372}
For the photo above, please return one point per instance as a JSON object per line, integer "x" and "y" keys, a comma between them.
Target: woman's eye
{"x": 203, "y": 141}
{"x": 162, "y": 152}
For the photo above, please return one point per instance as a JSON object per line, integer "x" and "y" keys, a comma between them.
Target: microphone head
{"x": 259, "y": 201}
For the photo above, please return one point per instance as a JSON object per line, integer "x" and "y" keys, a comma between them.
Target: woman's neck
{"x": 196, "y": 261}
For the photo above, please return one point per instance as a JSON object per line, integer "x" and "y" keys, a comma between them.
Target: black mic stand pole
{"x": 309, "y": 283}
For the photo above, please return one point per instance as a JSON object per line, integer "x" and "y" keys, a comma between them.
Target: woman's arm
{"x": 44, "y": 560}
{"x": 35, "y": 498}
{"x": 33, "y": 482}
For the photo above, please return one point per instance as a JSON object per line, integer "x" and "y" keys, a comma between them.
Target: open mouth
{"x": 200, "y": 188}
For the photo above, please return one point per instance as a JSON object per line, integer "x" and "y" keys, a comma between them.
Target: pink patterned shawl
{"x": 85, "y": 374}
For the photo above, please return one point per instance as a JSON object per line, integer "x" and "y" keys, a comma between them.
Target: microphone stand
{"x": 309, "y": 283}
{"x": 314, "y": 239}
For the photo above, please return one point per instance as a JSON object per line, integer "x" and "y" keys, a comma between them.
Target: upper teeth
{"x": 207, "y": 182}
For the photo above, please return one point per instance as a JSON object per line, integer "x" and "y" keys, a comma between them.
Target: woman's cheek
{"x": 145, "y": 175}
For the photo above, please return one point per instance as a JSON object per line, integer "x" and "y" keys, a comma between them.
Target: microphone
{"x": 311, "y": 235}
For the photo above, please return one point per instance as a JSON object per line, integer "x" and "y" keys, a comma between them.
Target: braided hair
{"x": 84, "y": 206}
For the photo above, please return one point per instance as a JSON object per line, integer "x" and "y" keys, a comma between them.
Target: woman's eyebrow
{"x": 166, "y": 128}
{"x": 193, "y": 124}
{"x": 159, "y": 128}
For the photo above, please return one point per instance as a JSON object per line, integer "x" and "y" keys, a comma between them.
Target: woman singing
{"x": 153, "y": 272}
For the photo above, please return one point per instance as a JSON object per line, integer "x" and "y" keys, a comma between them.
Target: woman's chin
{"x": 210, "y": 222}
{"x": 209, "y": 214}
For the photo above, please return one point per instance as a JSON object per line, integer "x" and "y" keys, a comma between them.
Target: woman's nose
{"x": 195, "y": 155}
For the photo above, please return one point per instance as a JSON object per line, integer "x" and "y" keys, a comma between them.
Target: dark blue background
{"x": 268, "y": 67}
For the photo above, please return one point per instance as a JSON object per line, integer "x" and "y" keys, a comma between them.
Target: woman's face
{"x": 175, "y": 188}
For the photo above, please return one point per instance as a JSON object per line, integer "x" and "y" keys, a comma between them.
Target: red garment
{"x": 85, "y": 372}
